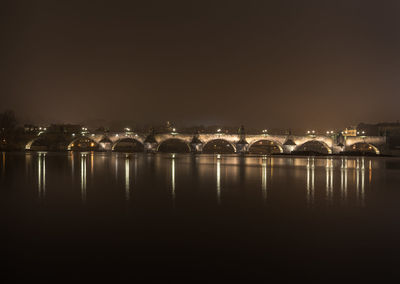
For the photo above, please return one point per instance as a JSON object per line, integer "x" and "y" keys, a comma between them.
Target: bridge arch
{"x": 220, "y": 146}
{"x": 39, "y": 143}
{"x": 363, "y": 148}
{"x": 128, "y": 144}
{"x": 173, "y": 145}
{"x": 265, "y": 146}
{"x": 313, "y": 147}
{"x": 82, "y": 143}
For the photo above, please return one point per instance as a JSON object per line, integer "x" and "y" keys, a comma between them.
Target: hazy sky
{"x": 297, "y": 64}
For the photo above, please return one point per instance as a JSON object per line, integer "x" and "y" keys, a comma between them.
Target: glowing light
{"x": 73, "y": 134}
{"x": 92, "y": 134}
{"x": 92, "y": 144}
{"x": 127, "y": 193}
{"x": 116, "y": 135}
{"x": 42, "y": 175}
{"x": 83, "y": 177}
{"x": 219, "y": 130}
{"x": 310, "y": 180}
{"x": 219, "y": 181}
{"x": 329, "y": 180}
{"x": 343, "y": 181}
{"x": 173, "y": 180}
{"x": 264, "y": 178}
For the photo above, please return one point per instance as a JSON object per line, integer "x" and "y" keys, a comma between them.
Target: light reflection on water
{"x": 127, "y": 177}
{"x": 310, "y": 180}
{"x": 325, "y": 179}
{"x": 41, "y": 166}
{"x": 83, "y": 176}
{"x": 264, "y": 179}
{"x": 173, "y": 179}
{"x": 256, "y": 207}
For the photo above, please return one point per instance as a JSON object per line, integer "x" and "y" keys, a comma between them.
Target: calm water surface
{"x": 166, "y": 217}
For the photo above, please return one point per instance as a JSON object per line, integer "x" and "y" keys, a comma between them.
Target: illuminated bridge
{"x": 216, "y": 143}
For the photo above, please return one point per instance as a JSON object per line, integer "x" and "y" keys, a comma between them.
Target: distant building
{"x": 29, "y": 128}
{"x": 350, "y": 131}
{"x": 65, "y": 128}
{"x": 389, "y": 129}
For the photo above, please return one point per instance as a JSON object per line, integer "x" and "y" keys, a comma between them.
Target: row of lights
{"x": 313, "y": 132}
{"x": 264, "y": 131}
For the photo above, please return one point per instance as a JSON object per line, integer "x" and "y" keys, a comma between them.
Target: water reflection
{"x": 41, "y": 175}
{"x": 370, "y": 172}
{"x": 28, "y": 164}
{"x": 219, "y": 179}
{"x": 343, "y": 181}
{"x": 3, "y": 167}
{"x": 83, "y": 176}
{"x": 310, "y": 180}
{"x": 239, "y": 172}
{"x": 116, "y": 167}
{"x": 264, "y": 178}
{"x": 360, "y": 186}
{"x": 91, "y": 164}
{"x": 173, "y": 179}
{"x": 127, "y": 180}
{"x": 72, "y": 160}
{"x": 329, "y": 180}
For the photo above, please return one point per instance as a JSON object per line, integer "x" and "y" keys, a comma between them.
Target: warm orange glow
{"x": 92, "y": 144}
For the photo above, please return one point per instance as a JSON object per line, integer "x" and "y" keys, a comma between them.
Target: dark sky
{"x": 300, "y": 64}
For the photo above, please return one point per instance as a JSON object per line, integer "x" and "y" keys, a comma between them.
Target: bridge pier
{"x": 242, "y": 146}
{"x": 150, "y": 147}
{"x": 105, "y": 144}
{"x": 196, "y": 146}
{"x": 150, "y": 143}
{"x": 289, "y": 146}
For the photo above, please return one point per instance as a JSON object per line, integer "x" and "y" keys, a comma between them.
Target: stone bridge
{"x": 239, "y": 142}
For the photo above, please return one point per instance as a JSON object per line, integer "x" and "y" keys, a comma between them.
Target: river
{"x": 163, "y": 217}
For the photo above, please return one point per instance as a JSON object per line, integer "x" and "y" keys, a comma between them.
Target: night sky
{"x": 300, "y": 64}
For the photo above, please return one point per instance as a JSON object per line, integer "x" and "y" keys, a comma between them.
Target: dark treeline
{"x": 12, "y": 136}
